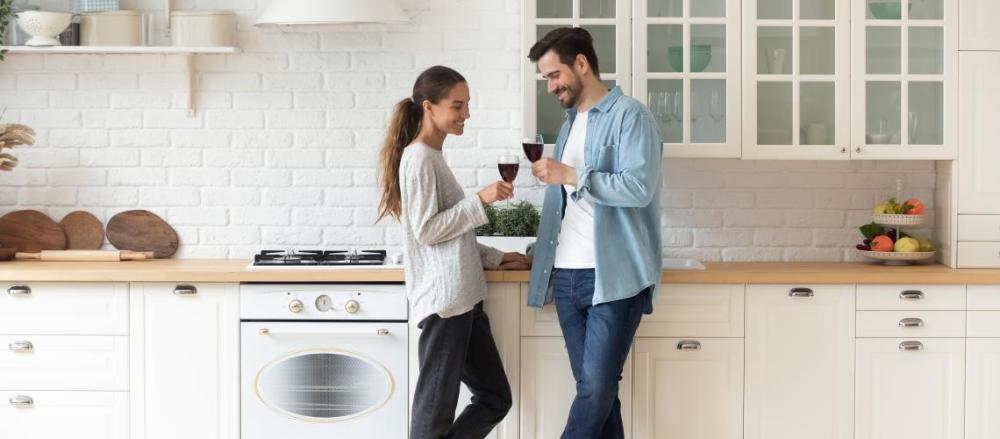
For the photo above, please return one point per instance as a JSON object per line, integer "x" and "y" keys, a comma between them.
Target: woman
{"x": 443, "y": 263}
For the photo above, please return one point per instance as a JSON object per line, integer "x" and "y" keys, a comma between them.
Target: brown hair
{"x": 567, "y": 42}
{"x": 432, "y": 85}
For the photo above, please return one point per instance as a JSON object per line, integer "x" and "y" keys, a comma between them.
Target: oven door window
{"x": 324, "y": 386}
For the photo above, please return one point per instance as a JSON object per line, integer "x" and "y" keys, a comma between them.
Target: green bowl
{"x": 701, "y": 55}
{"x": 887, "y": 10}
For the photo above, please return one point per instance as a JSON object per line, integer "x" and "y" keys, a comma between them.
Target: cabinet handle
{"x": 911, "y": 346}
{"x": 800, "y": 292}
{"x": 689, "y": 345}
{"x": 185, "y": 290}
{"x": 843, "y": 150}
{"x": 911, "y": 295}
{"x": 911, "y": 322}
{"x": 21, "y": 346}
{"x": 19, "y": 290}
{"x": 21, "y": 401}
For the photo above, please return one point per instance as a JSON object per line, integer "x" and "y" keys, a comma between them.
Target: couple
{"x": 597, "y": 255}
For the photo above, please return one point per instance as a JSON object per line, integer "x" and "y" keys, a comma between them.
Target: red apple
{"x": 881, "y": 243}
{"x": 917, "y": 209}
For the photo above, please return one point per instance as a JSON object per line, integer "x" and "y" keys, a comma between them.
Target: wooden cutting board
{"x": 142, "y": 231}
{"x": 83, "y": 231}
{"x": 31, "y": 231}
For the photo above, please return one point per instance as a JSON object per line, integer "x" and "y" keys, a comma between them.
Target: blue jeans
{"x": 598, "y": 339}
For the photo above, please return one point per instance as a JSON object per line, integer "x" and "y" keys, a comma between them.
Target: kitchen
{"x": 270, "y": 144}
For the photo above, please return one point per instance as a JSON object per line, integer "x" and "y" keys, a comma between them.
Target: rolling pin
{"x": 86, "y": 255}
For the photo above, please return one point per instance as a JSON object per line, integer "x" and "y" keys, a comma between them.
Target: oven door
{"x": 309, "y": 380}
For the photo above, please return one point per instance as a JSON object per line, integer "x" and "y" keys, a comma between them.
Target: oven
{"x": 323, "y": 361}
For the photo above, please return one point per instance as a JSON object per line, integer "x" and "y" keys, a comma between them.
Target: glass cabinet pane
{"x": 817, "y": 9}
{"x": 597, "y": 8}
{"x": 882, "y": 110}
{"x": 666, "y": 103}
{"x": 543, "y": 29}
{"x": 708, "y": 48}
{"x": 324, "y": 386}
{"x": 929, "y": 9}
{"x": 774, "y": 113}
{"x": 665, "y": 8}
{"x": 818, "y": 50}
{"x": 774, "y": 47}
{"x": 883, "y": 50}
{"x": 926, "y": 47}
{"x": 884, "y": 10}
{"x": 665, "y": 48}
{"x": 708, "y": 111}
{"x": 774, "y": 9}
{"x": 708, "y": 8}
{"x": 926, "y": 115}
{"x": 604, "y": 45}
{"x": 554, "y": 9}
{"x": 817, "y": 113}
{"x": 550, "y": 113}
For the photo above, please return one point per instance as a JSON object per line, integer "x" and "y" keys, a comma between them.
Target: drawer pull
{"x": 911, "y": 322}
{"x": 911, "y": 295}
{"x": 185, "y": 290}
{"x": 21, "y": 401}
{"x": 911, "y": 346}
{"x": 689, "y": 345}
{"x": 21, "y": 346}
{"x": 19, "y": 290}
{"x": 800, "y": 292}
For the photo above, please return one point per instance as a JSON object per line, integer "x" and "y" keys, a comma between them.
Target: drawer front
{"x": 984, "y": 324}
{"x": 911, "y": 297}
{"x": 77, "y": 415}
{"x": 64, "y": 362}
{"x": 693, "y": 310}
{"x": 52, "y": 308}
{"x": 911, "y": 324}
{"x": 984, "y": 297}
{"x": 978, "y": 254}
{"x": 979, "y": 227}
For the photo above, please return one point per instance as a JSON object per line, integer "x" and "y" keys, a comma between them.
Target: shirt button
{"x": 545, "y": 271}
{"x": 550, "y": 243}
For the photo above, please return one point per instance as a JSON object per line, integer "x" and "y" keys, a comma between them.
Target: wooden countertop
{"x": 234, "y": 270}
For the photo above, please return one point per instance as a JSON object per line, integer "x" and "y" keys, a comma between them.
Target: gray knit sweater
{"x": 442, "y": 260}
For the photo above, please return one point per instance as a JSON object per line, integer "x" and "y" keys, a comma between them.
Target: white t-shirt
{"x": 576, "y": 237}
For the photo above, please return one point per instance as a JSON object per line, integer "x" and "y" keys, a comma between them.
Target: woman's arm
{"x": 430, "y": 225}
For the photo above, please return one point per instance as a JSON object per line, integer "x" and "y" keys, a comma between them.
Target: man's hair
{"x": 567, "y": 43}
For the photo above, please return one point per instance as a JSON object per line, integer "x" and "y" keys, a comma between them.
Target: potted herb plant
{"x": 6, "y": 10}
{"x": 511, "y": 228}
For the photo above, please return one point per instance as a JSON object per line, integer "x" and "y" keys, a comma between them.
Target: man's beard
{"x": 572, "y": 95}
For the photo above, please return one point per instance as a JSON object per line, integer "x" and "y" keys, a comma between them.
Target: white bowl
{"x": 43, "y": 26}
{"x": 877, "y": 139}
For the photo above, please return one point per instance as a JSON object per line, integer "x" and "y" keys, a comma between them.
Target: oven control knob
{"x": 352, "y": 306}
{"x": 324, "y": 303}
{"x": 295, "y": 306}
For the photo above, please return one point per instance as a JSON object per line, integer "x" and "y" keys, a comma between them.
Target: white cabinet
{"x": 52, "y": 415}
{"x": 548, "y": 388}
{"x": 979, "y": 29}
{"x": 185, "y": 361}
{"x": 799, "y": 362}
{"x": 983, "y": 388}
{"x": 64, "y": 362}
{"x": 688, "y": 388}
{"x": 63, "y": 308}
{"x": 978, "y": 182}
{"x": 910, "y": 388}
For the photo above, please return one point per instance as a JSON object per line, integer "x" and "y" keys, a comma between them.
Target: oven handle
{"x": 377, "y": 332}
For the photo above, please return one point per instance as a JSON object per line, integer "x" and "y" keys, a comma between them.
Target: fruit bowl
{"x": 701, "y": 55}
{"x": 889, "y": 10}
{"x": 43, "y": 26}
{"x": 897, "y": 258}
{"x": 891, "y": 219}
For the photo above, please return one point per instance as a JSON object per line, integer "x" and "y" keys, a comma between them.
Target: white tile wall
{"x": 282, "y": 152}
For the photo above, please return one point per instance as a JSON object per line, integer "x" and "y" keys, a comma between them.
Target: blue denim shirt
{"x": 621, "y": 179}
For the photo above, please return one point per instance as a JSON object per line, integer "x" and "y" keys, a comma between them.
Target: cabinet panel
{"x": 62, "y": 308}
{"x": 911, "y": 297}
{"x": 983, "y": 387}
{"x": 979, "y": 150}
{"x": 77, "y": 415}
{"x": 979, "y": 29}
{"x": 984, "y": 297}
{"x": 64, "y": 362}
{"x": 911, "y": 324}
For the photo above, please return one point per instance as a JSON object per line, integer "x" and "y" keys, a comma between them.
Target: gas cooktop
{"x": 322, "y": 259}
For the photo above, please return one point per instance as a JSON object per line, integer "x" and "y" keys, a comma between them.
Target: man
{"x": 598, "y": 251}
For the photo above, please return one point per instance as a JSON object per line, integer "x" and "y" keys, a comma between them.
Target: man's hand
{"x": 551, "y": 171}
{"x": 515, "y": 261}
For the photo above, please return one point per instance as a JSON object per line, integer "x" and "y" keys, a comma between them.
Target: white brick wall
{"x": 282, "y": 152}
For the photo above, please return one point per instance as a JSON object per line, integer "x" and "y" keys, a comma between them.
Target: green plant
{"x": 520, "y": 219}
{"x": 6, "y": 9}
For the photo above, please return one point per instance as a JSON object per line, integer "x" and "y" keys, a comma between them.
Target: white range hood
{"x": 308, "y": 12}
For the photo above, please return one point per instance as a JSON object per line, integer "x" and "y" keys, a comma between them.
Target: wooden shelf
{"x": 123, "y": 50}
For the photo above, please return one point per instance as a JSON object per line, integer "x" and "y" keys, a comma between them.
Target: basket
{"x": 889, "y": 219}
{"x": 897, "y": 258}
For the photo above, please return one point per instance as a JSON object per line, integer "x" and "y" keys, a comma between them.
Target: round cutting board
{"x": 142, "y": 231}
{"x": 83, "y": 231}
{"x": 31, "y": 231}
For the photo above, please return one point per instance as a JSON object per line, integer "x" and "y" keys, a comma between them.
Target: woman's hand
{"x": 499, "y": 191}
{"x": 515, "y": 261}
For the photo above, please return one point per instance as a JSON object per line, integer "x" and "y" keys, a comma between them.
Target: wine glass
{"x": 508, "y": 165}
{"x": 676, "y": 109}
{"x": 533, "y": 149}
{"x": 716, "y": 110}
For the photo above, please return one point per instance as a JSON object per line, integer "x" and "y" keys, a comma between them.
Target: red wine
{"x": 533, "y": 151}
{"x": 508, "y": 171}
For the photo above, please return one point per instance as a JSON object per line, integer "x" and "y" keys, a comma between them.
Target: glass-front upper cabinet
{"x": 796, "y": 79}
{"x": 905, "y": 90}
{"x": 607, "y": 21}
{"x": 687, "y": 71}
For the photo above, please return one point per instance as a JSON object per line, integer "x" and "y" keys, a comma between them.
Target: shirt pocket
{"x": 607, "y": 158}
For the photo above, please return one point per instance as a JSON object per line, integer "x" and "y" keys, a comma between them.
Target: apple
{"x": 906, "y": 245}
{"x": 881, "y": 243}
{"x": 926, "y": 245}
{"x": 881, "y": 209}
{"x": 917, "y": 209}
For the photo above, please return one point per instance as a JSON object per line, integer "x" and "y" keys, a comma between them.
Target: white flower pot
{"x": 507, "y": 243}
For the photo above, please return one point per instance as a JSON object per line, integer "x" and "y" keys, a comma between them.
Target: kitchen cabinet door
{"x": 53, "y": 415}
{"x": 799, "y": 362}
{"x": 910, "y": 388}
{"x": 979, "y": 153}
{"x": 688, "y": 388}
{"x": 982, "y": 388}
{"x": 979, "y": 29}
{"x": 185, "y": 361}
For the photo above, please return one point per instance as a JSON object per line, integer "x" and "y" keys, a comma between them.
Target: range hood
{"x": 304, "y": 12}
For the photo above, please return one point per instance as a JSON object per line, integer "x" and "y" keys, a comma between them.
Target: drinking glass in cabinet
{"x": 554, "y": 9}
{"x": 665, "y": 8}
{"x": 666, "y": 103}
{"x": 926, "y": 113}
{"x": 708, "y": 111}
{"x": 597, "y": 8}
{"x": 775, "y": 50}
{"x": 882, "y": 101}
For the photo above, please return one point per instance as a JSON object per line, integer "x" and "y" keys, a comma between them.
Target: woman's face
{"x": 451, "y": 112}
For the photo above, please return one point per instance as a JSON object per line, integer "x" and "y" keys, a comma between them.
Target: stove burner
{"x": 319, "y": 257}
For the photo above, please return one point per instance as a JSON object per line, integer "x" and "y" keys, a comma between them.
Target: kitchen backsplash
{"x": 283, "y": 149}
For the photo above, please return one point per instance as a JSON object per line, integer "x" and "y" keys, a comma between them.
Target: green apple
{"x": 906, "y": 245}
{"x": 926, "y": 245}
{"x": 881, "y": 209}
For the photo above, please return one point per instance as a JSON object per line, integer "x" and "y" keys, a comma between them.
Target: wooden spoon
{"x": 142, "y": 231}
{"x": 31, "y": 231}
{"x": 83, "y": 231}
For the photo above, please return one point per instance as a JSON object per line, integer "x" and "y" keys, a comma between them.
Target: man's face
{"x": 563, "y": 81}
